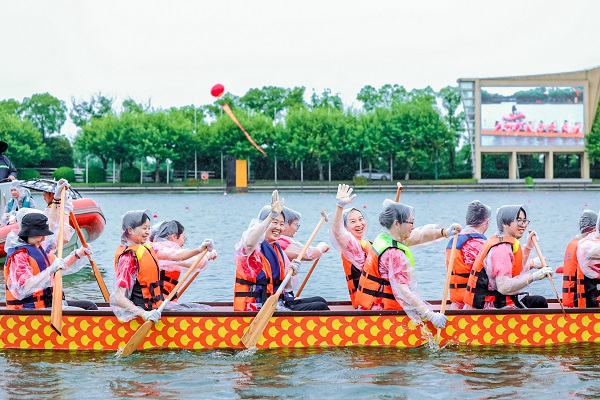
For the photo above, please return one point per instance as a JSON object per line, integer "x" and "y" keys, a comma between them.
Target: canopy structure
{"x": 47, "y": 185}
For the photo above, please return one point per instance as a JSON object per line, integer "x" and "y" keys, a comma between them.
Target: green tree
{"x": 383, "y": 97}
{"x": 10, "y": 107}
{"x": 104, "y": 137}
{"x": 47, "y": 113}
{"x": 592, "y": 140}
{"x": 272, "y": 99}
{"x": 454, "y": 120}
{"x": 326, "y": 100}
{"x": 60, "y": 153}
{"x": 84, "y": 111}
{"x": 25, "y": 143}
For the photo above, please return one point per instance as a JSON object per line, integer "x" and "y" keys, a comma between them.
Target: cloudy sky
{"x": 172, "y": 52}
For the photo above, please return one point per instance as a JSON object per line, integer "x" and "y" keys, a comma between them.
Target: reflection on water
{"x": 569, "y": 371}
{"x": 452, "y": 372}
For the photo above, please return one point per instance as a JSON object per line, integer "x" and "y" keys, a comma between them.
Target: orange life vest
{"x": 460, "y": 270}
{"x": 148, "y": 291}
{"x": 573, "y": 291}
{"x": 258, "y": 289}
{"x": 372, "y": 288}
{"x": 477, "y": 292}
{"x": 353, "y": 273}
{"x": 39, "y": 261}
{"x": 170, "y": 279}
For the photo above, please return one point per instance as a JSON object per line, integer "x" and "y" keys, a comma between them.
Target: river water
{"x": 568, "y": 371}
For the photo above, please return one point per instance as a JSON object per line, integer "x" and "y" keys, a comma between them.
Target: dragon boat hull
{"x": 341, "y": 327}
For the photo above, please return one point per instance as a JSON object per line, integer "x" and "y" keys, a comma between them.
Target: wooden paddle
{"x": 310, "y": 271}
{"x": 398, "y": 191}
{"x": 138, "y": 337}
{"x": 543, "y": 260}
{"x": 57, "y": 294}
{"x": 99, "y": 278}
{"x": 447, "y": 283}
{"x": 188, "y": 283}
{"x": 259, "y": 323}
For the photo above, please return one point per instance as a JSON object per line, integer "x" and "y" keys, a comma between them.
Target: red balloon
{"x": 217, "y": 90}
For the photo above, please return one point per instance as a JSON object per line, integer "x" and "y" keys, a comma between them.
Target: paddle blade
{"x": 136, "y": 340}
{"x": 56, "y": 313}
{"x": 258, "y": 325}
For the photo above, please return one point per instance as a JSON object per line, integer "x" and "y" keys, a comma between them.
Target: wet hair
{"x": 265, "y": 211}
{"x": 477, "y": 213}
{"x": 587, "y": 221}
{"x": 346, "y": 214}
{"x": 180, "y": 228}
{"x": 395, "y": 212}
{"x": 505, "y": 215}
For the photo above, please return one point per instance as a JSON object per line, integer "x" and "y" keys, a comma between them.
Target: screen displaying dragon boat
{"x": 532, "y": 116}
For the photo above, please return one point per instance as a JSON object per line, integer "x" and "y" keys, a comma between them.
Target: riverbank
{"x": 331, "y": 187}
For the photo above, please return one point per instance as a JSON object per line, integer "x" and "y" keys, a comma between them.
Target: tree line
{"x": 414, "y": 133}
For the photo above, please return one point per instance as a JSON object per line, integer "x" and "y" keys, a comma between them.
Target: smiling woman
{"x": 262, "y": 265}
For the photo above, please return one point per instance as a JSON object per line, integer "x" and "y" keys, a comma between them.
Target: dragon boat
{"x": 342, "y": 326}
{"x": 88, "y": 214}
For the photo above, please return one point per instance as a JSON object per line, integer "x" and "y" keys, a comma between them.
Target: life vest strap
{"x": 375, "y": 293}
{"x": 461, "y": 275}
{"x": 375, "y": 279}
{"x": 458, "y": 286}
{"x": 567, "y": 278}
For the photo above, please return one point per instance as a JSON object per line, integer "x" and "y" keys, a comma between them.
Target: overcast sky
{"x": 173, "y": 52}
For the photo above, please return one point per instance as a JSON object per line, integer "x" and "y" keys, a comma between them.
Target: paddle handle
{"x": 312, "y": 235}
{"x": 188, "y": 283}
{"x": 97, "y": 274}
{"x": 398, "y": 191}
{"x": 57, "y": 294}
{"x": 447, "y": 282}
{"x": 306, "y": 277}
{"x": 182, "y": 280}
{"x": 543, "y": 260}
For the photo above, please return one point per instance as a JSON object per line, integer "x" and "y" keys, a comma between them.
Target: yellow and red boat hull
{"x": 100, "y": 330}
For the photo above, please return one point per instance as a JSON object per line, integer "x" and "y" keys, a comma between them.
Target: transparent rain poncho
{"x": 13, "y": 205}
{"x": 345, "y": 241}
{"x": 395, "y": 266}
{"x": 247, "y": 250}
{"x": 22, "y": 282}
{"x": 588, "y": 248}
{"x": 126, "y": 274}
{"x": 499, "y": 260}
{"x": 291, "y": 246}
{"x": 171, "y": 256}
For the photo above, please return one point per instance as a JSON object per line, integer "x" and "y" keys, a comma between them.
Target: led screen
{"x": 532, "y": 116}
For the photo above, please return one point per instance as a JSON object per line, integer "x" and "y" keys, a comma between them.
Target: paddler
{"x": 388, "y": 280}
{"x": 588, "y": 255}
{"x": 574, "y": 292}
{"x": 348, "y": 230}
{"x": 29, "y": 268}
{"x": 289, "y": 245}
{"x": 469, "y": 244}
{"x": 138, "y": 290}
{"x": 501, "y": 270}
{"x": 167, "y": 241}
{"x": 261, "y": 265}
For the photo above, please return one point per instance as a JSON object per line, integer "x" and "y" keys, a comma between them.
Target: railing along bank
{"x": 484, "y": 187}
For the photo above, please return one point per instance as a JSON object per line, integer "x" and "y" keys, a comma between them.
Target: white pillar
{"x": 301, "y": 171}
{"x": 329, "y": 171}
{"x": 195, "y": 164}
{"x": 167, "y": 172}
{"x": 86, "y": 168}
{"x": 142, "y": 171}
{"x": 114, "y": 172}
{"x": 275, "y": 168}
{"x": 221, "y": 167}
